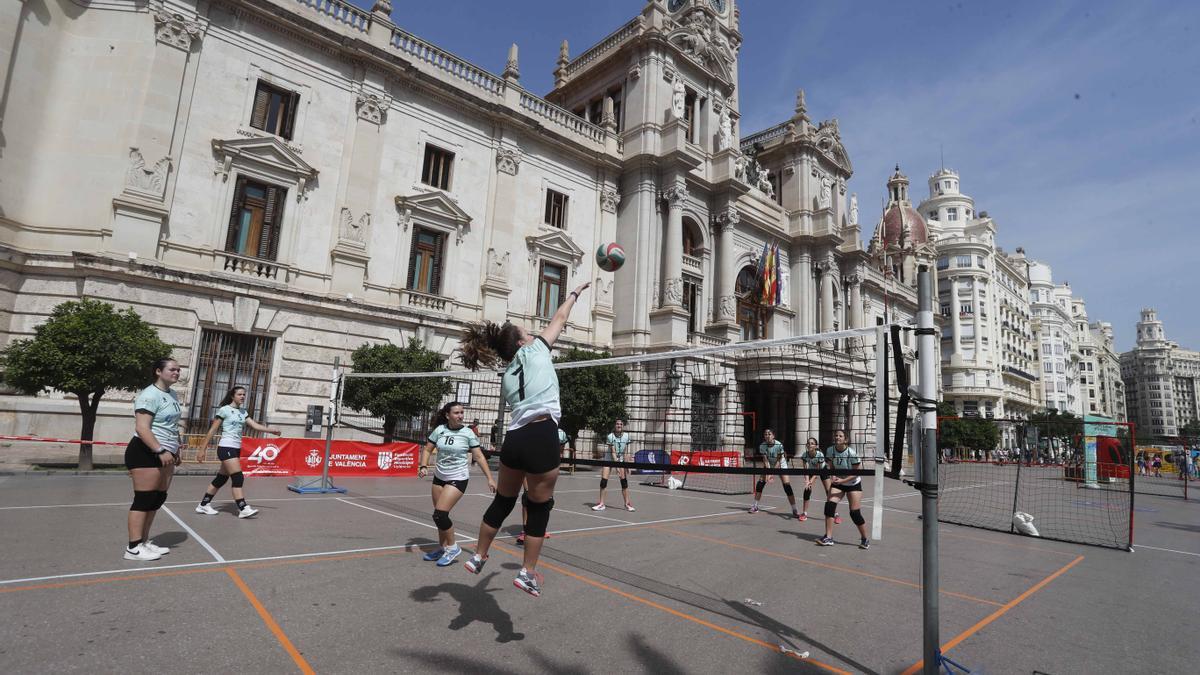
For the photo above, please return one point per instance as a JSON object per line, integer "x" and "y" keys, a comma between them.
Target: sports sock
{"x": 241, "y": 504}
{"x": 207, "y": 498}
{"x": 134, "y": 544}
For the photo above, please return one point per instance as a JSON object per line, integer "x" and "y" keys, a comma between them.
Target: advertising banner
{"x": 306, "y": 457}
{"x": 724, "y": 458}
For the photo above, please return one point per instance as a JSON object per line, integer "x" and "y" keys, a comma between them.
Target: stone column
{"x": 978, "y": 320}
{"x": 955, "y": 321}
{"x": 814, "y": 412}
{"x": 802, "y": 281}
{"x": 672, "y": 273}
{"x": 802, "y": 420}
{"x": 827, "y": 315}
{"x": 855, "y": 316}
{"x": 726, "y": 221}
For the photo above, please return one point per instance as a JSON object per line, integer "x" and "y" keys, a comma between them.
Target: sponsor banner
{"x": 707, "y": 458}
{"x": 306, "y": 457}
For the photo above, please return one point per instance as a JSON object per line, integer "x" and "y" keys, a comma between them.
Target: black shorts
{"x": 532, "y": 448}
{"x": 857, "y": 487}
{"x": 460, "y": 485}
{"x": 138, "y": 455}
{"x": 224, "y": 453}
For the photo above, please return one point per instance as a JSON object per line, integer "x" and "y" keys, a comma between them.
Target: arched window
{"x": 689, "y": 241}
{"x": 751, "y": 315}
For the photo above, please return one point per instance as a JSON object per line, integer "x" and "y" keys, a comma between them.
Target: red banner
{"x": 707, "y": 458}
{"x": 306, "y": 457}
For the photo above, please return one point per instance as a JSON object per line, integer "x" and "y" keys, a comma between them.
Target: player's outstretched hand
{"x": 582, "y": 287}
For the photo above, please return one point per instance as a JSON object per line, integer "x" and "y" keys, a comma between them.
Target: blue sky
{"x": 1075, "y": 125}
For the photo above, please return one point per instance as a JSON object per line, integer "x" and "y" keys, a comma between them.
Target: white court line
{"x": 195, "y": 536}
{"x": 307, "y": 498}
{"x": 407, "y": 520}
{"x": 592, "y": 515}
{"x": 1168, "y": 550}
{"x": 239, "y": 561}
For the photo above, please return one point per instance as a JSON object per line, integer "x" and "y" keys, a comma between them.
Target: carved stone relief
{"x": 508, "y": 160}
{"x": 373, "y": 107}
{"x": 174, "y": 29}
{"x": 673, "y": 291}
{"x": 149, "y": 181}
{"x": 352, "y": 230}
{"x": 497, "y": 264}
{"x": 609, "y": 199}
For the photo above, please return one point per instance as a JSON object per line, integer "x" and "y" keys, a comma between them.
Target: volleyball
{"x": 610, "y": 257}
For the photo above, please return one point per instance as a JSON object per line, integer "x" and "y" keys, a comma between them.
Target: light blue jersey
{"x": 562, "y": 437}
{"x": 618, "y": 444}
{"x": 847, "y": 459}
{"x": 530, "y": 385}
{"x": 233, "y": 426}
{"x": 813, "y": 461}
{"x": 164, "y": 405}
{"x": 770, "y": 452}
{"x": 453, "y": 451}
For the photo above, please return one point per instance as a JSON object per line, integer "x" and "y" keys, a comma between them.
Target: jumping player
{"x": 842, "y": 456}
{"x": 530, "y": 452}
{"x": 151, "y": 457}
{"x": 232, "y": 419}
{"x": 456, "y": 445}
{"x": 618, "y": 443}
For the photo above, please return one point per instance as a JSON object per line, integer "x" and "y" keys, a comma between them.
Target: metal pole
{"x": 333, "y": 403}
{"x": 927, "y": 363}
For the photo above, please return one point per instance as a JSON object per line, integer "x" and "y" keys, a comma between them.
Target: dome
{"x": 901, "y": 226}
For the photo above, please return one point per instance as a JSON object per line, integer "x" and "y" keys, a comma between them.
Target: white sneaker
{"x": 141, "y": 553}
{"x": 206, "y": 510}
{"x": 155, "y": 548}
{"x": 247, "y": 512}
{"x": 598, "y": 507}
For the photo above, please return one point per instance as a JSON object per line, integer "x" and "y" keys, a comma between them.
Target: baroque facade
{"x": 272, "y": 183}
{"x": 1162, "y": 381}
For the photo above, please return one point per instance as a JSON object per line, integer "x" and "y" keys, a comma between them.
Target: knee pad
{"x": 442, "y": 520}
{"x": 857, "y": 517}
{"x": 144, "y": 500}
{"x": 539, "y": 516}
{"x": 499, "y": 509}
{"x": 807, "y": 493}
{"x": 219, "y": 480}
{"x": 160, "y": 499}
{"x": 830, "y": 509}
{"x": 624, "y": 483}
{"x": 603, "y": 483}
{"x": 237, "y": 479}
{"x": 760, "y": 486}
{"x": 787, "y": 488}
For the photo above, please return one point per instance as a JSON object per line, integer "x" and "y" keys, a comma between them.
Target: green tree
{"x": 85, "y": 348}
{"x": 391, "y": 399}
{"x": 1055, "y": 423}
{"x": 1191, "y": 430}
{"x": 593, "y": 397}
{"x": 970, "y": 433}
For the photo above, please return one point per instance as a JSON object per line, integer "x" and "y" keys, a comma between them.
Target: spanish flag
{"x": 769, "y": 279}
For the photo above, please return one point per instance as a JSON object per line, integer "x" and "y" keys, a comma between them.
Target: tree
{"x": 394, "y": 398}
{"x": 85, "y": 348}
{"x": 1191, "y": 431}
{"x": 592, "y": 397}
{"x": 974, "y": 433}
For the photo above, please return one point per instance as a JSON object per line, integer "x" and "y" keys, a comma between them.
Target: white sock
{"x": 756, "y": 502}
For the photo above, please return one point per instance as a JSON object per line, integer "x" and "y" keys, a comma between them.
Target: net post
{"x": 323, "y": 484}
{"x": 881, "y": 445}
{"x": 927, "y": 355}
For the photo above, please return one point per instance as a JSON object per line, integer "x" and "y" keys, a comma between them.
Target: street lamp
{"x": 674, "y": 378}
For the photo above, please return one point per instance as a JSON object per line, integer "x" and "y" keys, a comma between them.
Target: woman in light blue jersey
{"x": 151, "y": 457}
{"x": 617, "y": 443}
{"x": 812, "y": 458}
{"x": 842, "y": 456}
{"x": 773, "y": 455}
{"x": 456, "y": 446}
{"x": 530, "y": 452}
{"x": 232, "y": 419}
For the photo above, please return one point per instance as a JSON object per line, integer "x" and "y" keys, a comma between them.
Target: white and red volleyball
{"x": 610, "y": 257}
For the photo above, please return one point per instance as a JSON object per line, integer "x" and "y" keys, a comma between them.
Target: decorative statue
{"x": 853, "y": 208}
{"x": 725, "y": 138}
{"x": 826, "y": 192}
{"x": 678, "y": 98}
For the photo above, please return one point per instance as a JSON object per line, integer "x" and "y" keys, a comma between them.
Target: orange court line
{"x": 996, "y": 614}
{"x": 848, "y": 570}
{"x": 270, "y": 621}
{"x": 675, "y": 612}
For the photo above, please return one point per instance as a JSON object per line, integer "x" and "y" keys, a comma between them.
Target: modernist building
{"x": 1055, "y": 338}
{"x": 1109, "y": 399}
{"x": 988, "y": 359}
{"x": 1162, "y": 380}
{"x": 273, "y": 183}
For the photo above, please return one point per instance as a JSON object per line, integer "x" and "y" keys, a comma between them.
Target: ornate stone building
{"x": 275, "y": 182}
{"x": 1162, "y": 381}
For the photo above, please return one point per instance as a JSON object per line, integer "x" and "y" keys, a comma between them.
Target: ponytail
{"x": 443, "y": 414}
{"x": 488, "y": 344}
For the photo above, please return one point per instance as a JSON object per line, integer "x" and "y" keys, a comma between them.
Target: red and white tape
{"x": 73, "y": 441}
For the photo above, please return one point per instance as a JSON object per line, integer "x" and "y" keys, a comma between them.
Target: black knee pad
{"x": 499, "y": 509}
{"x": 807, "y": 493}
{"x": 160, "y": 499}
{"x": 237, "y": 479}
{"x": 857, "y": 517}
{"x": 539, "y": 516}
{"x": 144, "y": 500}
{"x": 787, "y": 488}
{"x": 760, "y": 486}
{"x": 624, "y": 483}
{"x": 830, "y": 509}
{"x": 220, "y": 480}
{"x": 442, "y": 520}
{"x": 603, "y": 483}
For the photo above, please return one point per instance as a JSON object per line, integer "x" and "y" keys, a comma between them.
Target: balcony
{"x": 706, "y": 340}
{"x": 255, "y": 267}
{"x": 691, "y": 264}
{"x": 424, "y": 300}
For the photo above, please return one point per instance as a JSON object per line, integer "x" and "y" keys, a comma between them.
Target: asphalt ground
{"x": 335, "y": 583}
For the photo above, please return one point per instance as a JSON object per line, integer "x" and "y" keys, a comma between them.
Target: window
{"x": 945, "y": 309}
{"x": 550, "y": 288}
{"x": 274, "y": 110}
{"x": 425, "y": 261}
{"x": 946, "y": 184}
{"x": 933, "y": 215}
{"x": 705, "y": 417}
{"x": 952, "y": 213}
{"x": 436, "y": 170}
{"x": 751, "y": 317}
{"x": 968, "y": 213}
{"x": 962, "y": 260}
{"x": 690, "y": 245}
{"x": 689, "y": 104}
{"x": 979, "y": 261}
{"x": 691, "y": 303}
{"x": 254, "y": 220}
{"x": 225, "y": 359}
{"x": 556, "y": 209}
{"x": 943, "y": 263}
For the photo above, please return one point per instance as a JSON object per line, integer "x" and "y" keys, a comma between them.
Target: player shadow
{"x": 420, "y": 544}
{"x": 1186, "y": 527}
{"x": 173, "y": 538}
{"x": 806, "y": 536}
{"x": 475, "y": 603}
{"x": 651, "y": 659}
{"x": 448, "y": 662}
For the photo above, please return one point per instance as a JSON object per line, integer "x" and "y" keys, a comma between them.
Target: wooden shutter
{"x": 262, "y": 100}
{"x": 412, "y": 259}
{"x": 291, "y": 104}
{"x": 235, "y": 217}
{"x": 268, "y": 243}
{"x": 549, "y": 206}
{"x": 435, "y": 284}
